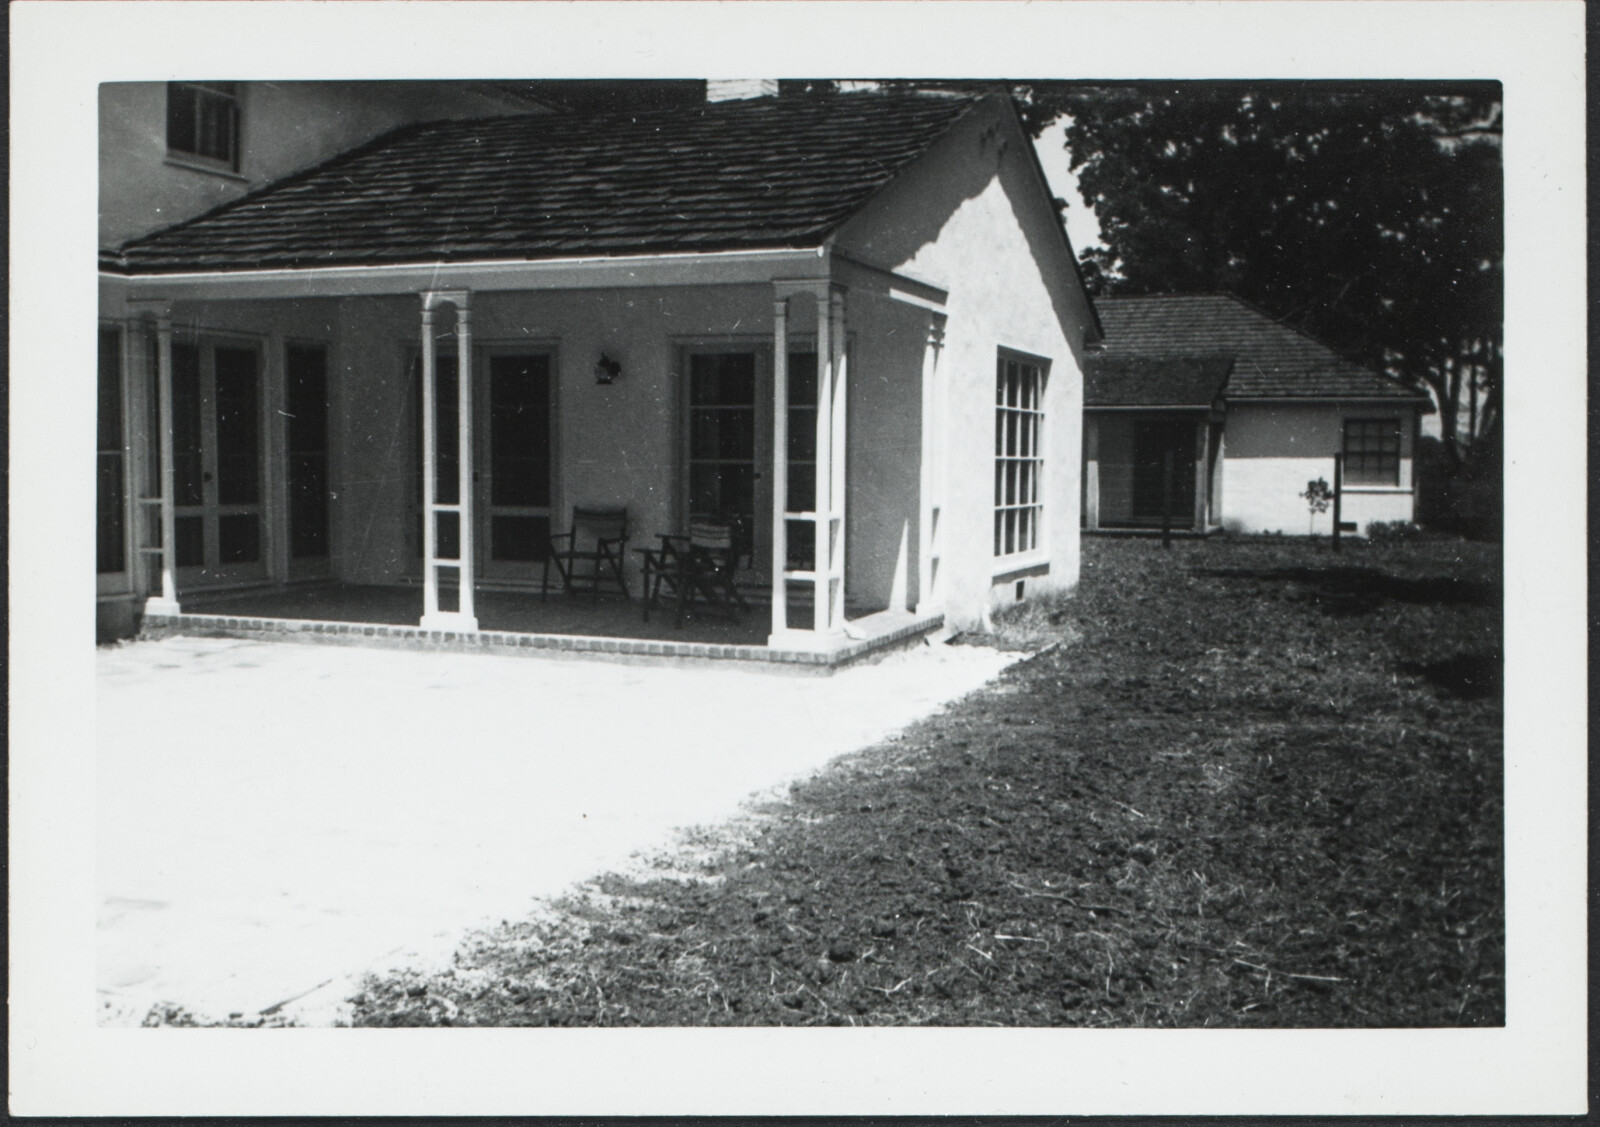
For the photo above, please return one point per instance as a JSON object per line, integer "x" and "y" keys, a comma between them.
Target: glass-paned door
{"x": 724, "y": 454}
{"x": 513, "y": 463}
{"x": 217, "y": 446}
{"x": 1154, "y": 440}
{"x": 515, "y": 467}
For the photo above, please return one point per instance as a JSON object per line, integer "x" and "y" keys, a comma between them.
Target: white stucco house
{"x": 851, "y": 325}
{"x": 1247, "y": 412}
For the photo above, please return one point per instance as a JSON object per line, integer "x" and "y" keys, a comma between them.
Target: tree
{"x": 1369, "y": 216}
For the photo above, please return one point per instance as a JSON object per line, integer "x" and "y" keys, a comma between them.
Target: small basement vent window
{"x": 203, "y": 123}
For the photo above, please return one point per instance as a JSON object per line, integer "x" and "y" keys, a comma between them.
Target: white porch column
{"x": 932, "y": 469}
{"x": 821, "y": 569}
{"x": 1202, "y": 483}
{"x": 430, "y": 539}
{"x": 468, "y": 569}
{"x": 167, "y": 602}
{"x": 840, "y": 361}
{"x": 463, "y": 619}
{"x": 826, "y": 573}
{"x": 780, "y": 465}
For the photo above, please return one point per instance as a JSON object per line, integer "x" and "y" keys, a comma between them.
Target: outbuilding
{"x": 1205, "y": 413}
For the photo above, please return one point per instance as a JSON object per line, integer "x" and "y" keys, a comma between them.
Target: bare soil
{"x": 1244, "y": 783}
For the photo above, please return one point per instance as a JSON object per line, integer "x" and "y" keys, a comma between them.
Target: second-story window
{"x": 203, "y": 122}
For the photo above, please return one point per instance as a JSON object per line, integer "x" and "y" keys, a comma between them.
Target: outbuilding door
{"x": 217, "y": 463}
{"x": 1154, "y": 441}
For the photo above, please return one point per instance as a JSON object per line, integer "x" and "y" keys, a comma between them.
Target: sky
{"x": 1083, "y": 226}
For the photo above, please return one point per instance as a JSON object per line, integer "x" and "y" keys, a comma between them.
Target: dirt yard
{"x": 1253, "y": 784}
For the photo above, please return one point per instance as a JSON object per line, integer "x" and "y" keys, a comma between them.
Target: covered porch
{"x": 308, "y": 456}
{"x": 1152, "y": 444}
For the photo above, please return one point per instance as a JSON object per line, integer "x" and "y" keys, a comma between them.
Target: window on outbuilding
{"x": 1372, "y": 451}
{"x": 203, "y": 122}
{"x": 1018, "y": 460}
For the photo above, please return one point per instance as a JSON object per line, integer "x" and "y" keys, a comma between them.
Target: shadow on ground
{"x": 1466, "y": 676}
{"x": 1345, "y": 591}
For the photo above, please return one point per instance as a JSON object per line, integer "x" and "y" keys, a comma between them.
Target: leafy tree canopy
{"x": 1368, "y": 215}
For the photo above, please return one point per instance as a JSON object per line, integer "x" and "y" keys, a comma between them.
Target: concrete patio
{"x": 274, "y": 820}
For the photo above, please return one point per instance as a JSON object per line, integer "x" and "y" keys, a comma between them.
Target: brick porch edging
{"x": 504, "y": 641}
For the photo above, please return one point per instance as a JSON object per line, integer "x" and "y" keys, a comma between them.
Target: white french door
{"x": 728, "y": 450}
{"x": 514, "y": 465}
{"x": 513, "y": 462}
{"x": 217, "y": 463}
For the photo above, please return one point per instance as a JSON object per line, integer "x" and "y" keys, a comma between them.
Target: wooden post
{"x": 928, "y": 547}
{"x": 1338, "y": 497}
{"x": 822, "y": 559}
{"x": 1166, "y": 499}
{"x": 430, "y": 567}
{"x": 780, "y": 463}
{"x": 839, "y": 450}
{"x": 467, "y": 571}
{"x": 167, "y": 602}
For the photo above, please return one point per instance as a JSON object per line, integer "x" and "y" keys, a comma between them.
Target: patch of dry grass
{"x": 1261, "y": 788}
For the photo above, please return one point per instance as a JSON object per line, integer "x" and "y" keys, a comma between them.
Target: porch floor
{"x": 522, "y": 622}
{"x": 607, "y": 616}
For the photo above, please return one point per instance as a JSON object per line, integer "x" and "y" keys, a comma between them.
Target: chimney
{"x": 733, "y": 89}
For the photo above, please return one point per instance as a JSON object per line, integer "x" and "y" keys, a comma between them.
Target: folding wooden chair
{"x": 695, "y": 569}
{"x": 589, "y": 555}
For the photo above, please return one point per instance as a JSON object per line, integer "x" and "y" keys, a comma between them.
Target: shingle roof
{"x": 767, "y": 172}
{"x": 1154, "y": 381}
{"x": 1271, "y": 360}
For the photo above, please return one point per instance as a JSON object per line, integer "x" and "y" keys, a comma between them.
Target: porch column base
{"x": 157, "y": 607}
{"x": 450, "y": 621}
{"x": 808, "y": 641}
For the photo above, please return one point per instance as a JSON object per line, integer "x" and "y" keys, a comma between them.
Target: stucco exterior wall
{"x": 284, "y": 126}
{"x": 1273, "y": 451}
{"x": 973, "y": 219}
{"x": 884, "y": 441}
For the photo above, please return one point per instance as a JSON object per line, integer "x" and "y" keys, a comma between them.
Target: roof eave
{"x": 727, "y": 267}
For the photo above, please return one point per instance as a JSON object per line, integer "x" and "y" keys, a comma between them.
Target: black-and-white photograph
{"x": 876, "y": 552}
{"x": 715, "y": 379}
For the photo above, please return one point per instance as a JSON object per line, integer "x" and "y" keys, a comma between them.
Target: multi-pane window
{"x": 1372, "y": 451}
{"x": 203, "y": 121}
{"x": 1018, "y": 463}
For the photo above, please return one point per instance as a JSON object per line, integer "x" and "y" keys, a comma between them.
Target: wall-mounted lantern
{"x": 606, "y": 370}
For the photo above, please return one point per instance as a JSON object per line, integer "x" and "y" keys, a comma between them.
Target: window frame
{"x": 1019, "y": 522}
{"x": 224, "y": 93}
{"x": 1387, "y": 472}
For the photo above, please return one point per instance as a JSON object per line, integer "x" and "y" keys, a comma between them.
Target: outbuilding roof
{"x": 1154, "y": 381}
{"x": 1271, "y": 360}
{"x": 761, "y": 173}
